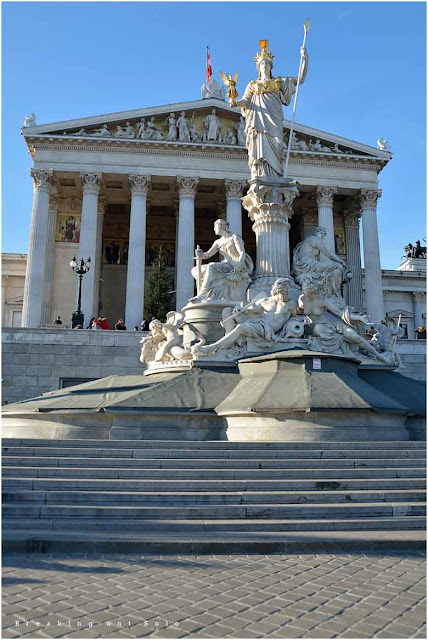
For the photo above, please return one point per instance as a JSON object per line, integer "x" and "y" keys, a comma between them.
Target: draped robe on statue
{"x": 263, "y": 124}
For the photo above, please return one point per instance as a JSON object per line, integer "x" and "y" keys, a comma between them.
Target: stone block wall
{"x": 37, "y": 360}
{"x": 414, "y": 359}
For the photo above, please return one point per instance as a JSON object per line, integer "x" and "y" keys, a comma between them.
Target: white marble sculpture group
{"x": 240, "y": 310}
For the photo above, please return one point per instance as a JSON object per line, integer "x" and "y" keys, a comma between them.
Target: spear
{"x": 306, "y": 27}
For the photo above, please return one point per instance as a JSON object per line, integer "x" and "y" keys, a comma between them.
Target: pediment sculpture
{"x": 174, "y": 127}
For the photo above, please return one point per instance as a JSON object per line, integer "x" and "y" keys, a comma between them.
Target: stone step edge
{"x": 174, "y": 444}
{"x": 27, "y": 541}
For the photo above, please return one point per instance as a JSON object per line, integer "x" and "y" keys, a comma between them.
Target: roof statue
{"x": 213, "y": 89}
{"x": 29, "y": 120}
{"x": 383, "y": 145}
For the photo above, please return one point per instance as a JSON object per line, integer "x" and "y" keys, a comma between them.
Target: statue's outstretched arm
{"x": 305, "y": 65}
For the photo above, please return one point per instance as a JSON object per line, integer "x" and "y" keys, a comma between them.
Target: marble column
{"x": 324, "y": 198}
{"x": 419, "y": 308}
{"x": 137, "y": 251}
{"x": 309, "y": 222}
{"x": 269, "y": 206}
{"x": 353, "y": 259}
{"x": 37, "y": 250}
{"x": 88, "y": 241}
{"x": 102, "y": 204}
{"x": 372, "y": 269}
{"x": 185, "y": 250}
{"x": 50, "y": 255}
{"x": 234, "y": 192}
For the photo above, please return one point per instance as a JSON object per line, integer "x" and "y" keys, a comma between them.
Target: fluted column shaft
{"x": 186, "y": 240}
{"x": 37, "y": 250}
{"x": 98, "y": 255}
{"x": 419, "y": 308}
{"x": 234, "y": 191}
{"x": 372, "y": 269}
{"x": 324, "y": 197}
{"x": 88, "y": 241}
{"x": 273, "y": 250}
{"x": 137, "y": 251}
{"x": 353, "y": 260}
{"x": 309, "y": 223}
{"x": 50, "y": 255}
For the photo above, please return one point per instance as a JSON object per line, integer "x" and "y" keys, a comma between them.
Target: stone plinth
{"x": 269, "y": 205}
{"x": 307, "y": 396}
{"x": 414, "y": 264}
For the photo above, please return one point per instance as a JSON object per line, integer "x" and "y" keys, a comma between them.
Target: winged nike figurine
{"x": 230, "y": 83}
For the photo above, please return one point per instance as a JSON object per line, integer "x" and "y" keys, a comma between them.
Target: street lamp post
{"x": 78, "y": 317}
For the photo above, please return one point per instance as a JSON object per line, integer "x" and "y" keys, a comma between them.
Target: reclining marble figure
{"x": 331, "y": 328}
{"x": 266, "y": 320}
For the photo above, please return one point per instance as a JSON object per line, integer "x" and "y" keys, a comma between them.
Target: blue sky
{"x": 366, "y": 79}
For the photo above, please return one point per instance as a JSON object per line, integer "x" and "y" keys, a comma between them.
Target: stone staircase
{"x": 211, "y": 496}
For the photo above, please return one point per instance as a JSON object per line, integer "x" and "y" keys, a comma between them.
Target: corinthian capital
{"x": 42, "y": 179}
{"x": 91, "y": 182}
{"x": 368, "y": 198}
{"x": 419, "y": 296}
{"x": 187, "y": 186}
{"x": 351, "y": 219}
{"x": 139, "y": 184}
{"x": 234, "y": 188}
{"x": 325, "y": 195}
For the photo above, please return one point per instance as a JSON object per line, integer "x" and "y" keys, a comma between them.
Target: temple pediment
{"x": 199, "y": 122}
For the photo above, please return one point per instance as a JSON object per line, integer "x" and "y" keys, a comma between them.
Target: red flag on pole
{"x": 209, "y": 68}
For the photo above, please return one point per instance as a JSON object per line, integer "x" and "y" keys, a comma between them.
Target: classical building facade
{"x": 121, "y": 187}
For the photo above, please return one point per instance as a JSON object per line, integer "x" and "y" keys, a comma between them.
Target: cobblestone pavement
{"x": 240, "y": 596}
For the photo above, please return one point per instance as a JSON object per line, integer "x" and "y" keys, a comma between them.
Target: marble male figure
{"x": 262, "y": 320}
{"x": 261, "y": 106}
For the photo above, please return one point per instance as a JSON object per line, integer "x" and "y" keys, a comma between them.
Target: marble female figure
{"x": 261, "y": 106}
{"x": 183, "y": 128}
{"x": 172, "y": 128}
{"x": 228, "y": 279}
{"x": 314, "y": 263}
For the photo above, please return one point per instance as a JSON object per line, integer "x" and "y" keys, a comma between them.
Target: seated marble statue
{"x": 314, "y": 264}
{"x": 228, "y": 279}
{"x": 263, "y": 319}
{"x": 331, "y": 329}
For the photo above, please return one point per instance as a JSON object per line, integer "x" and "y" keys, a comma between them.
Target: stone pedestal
{"x": 203, "y": 319}
{"x": 269, "y": 205}
{"x": 306, "y": 396}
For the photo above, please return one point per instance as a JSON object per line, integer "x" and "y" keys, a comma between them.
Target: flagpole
{"x": 306, "y": 29}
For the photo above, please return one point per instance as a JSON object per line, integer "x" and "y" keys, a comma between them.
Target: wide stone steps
{"x": 177, "y": 489}
{"x": 53, "y": 480}
{"x": 219, "y": 455}
{"x": 176, "y": 445}
{"x": 230, "y": 526}
{"x": 204, "y": 463}
{"x": 169, "y": 498}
